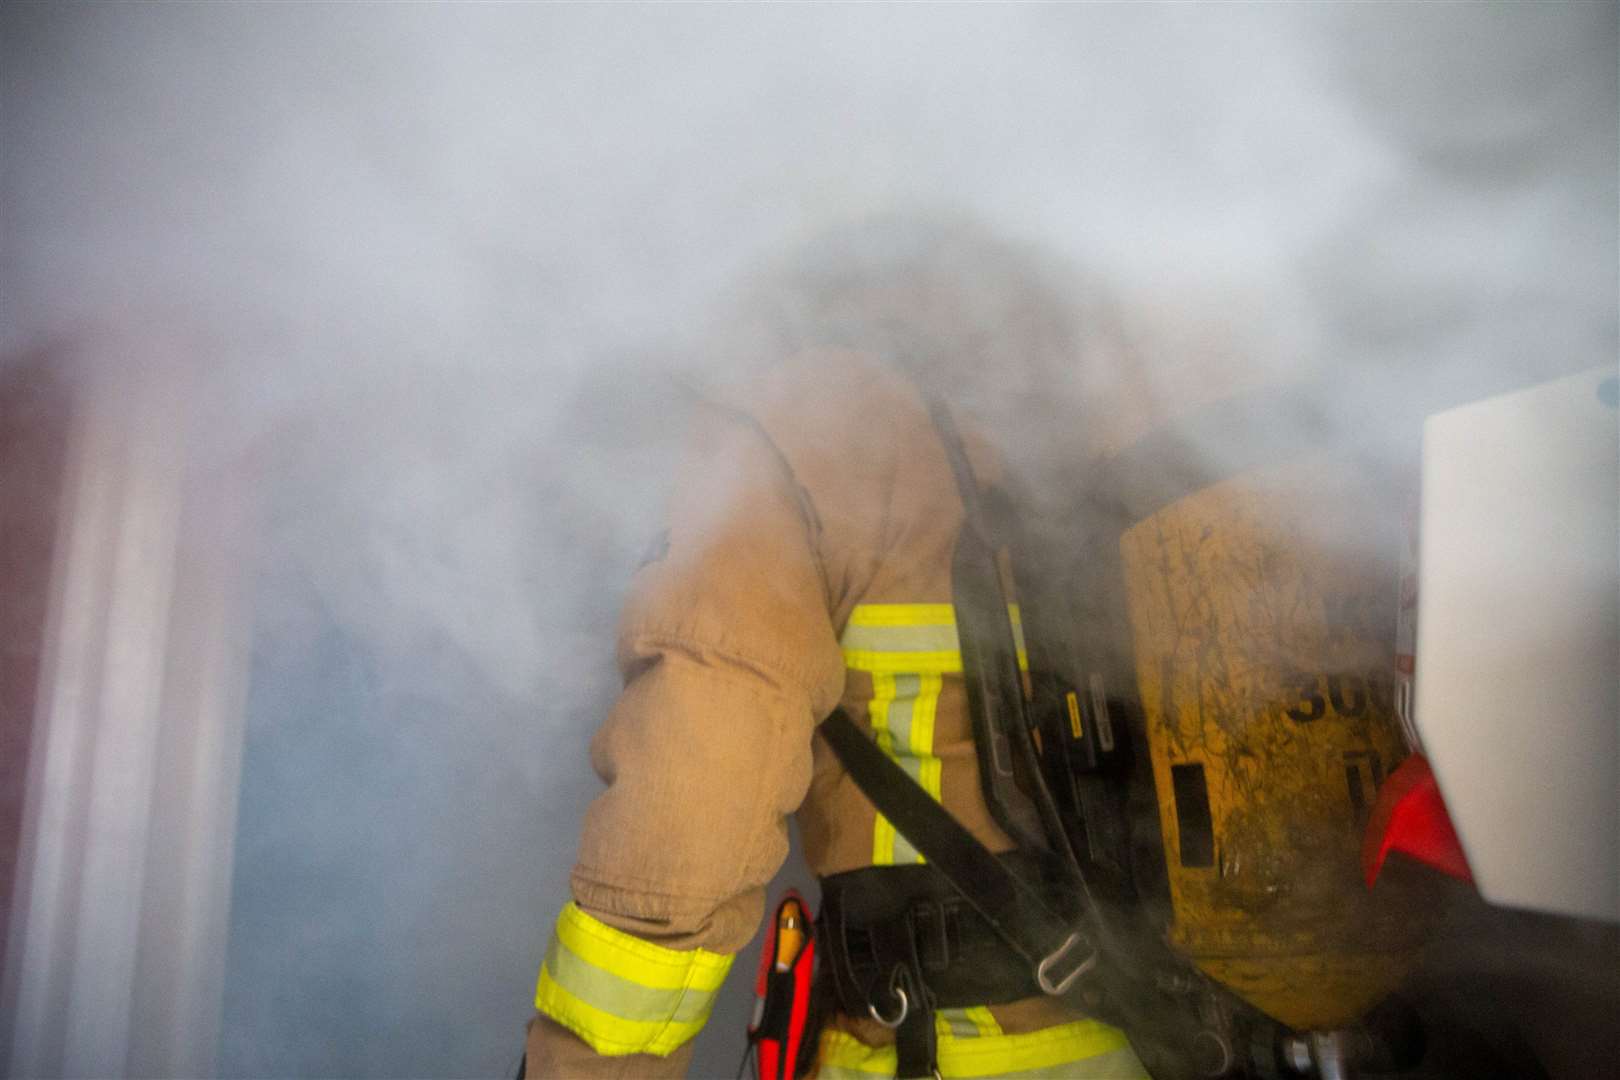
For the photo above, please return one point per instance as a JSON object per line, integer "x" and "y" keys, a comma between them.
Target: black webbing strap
{"x": 916, "y": 1042}
{"x": 1057, "y": 952}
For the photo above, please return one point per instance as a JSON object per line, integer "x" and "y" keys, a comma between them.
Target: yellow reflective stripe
{"x": 969, "y": 1023}
{"x": 611, "y": 1035}
{"x": 903, "y": 708}
{"x": 903, "y": 615}
{"x": 1075, "y": 1051}
{"x": 642, "y": 962}
{"x": 623, "y": 995}
{"x": 883, "y": 690}
{"x": 908, "y": 649}
{"x": 983, "y": 1020}
{"x": 923, "y": 715}
{"x": 844, "y": 1057}
{"x": 912, "y": 638}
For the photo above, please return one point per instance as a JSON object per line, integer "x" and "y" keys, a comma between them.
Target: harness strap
{"x": 916, "y": 1042}
{"x": 1057, "y": 952}
{"x": 876, "y": 917}
{"x": 911, "y": 1018}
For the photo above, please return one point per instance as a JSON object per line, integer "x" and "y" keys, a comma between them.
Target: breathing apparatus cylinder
{"x": 1262, "y": 613}
{"x": 1252, "y": 610}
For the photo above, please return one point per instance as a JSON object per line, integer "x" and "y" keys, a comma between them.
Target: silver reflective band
{"x": 905, "y": 639}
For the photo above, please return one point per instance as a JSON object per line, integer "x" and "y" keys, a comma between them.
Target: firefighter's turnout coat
{"x": 806, "y": 566}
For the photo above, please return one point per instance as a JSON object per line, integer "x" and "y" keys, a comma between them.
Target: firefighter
{"x": 806, "y": 566}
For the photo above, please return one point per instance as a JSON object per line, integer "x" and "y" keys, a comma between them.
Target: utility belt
{"x": 899, "y": 942}
{"x": 881, "y": 918}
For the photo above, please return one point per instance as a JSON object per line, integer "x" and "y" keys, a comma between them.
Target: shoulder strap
{"x": 1057, "y": 952}
{"x": 1009, "y": 762}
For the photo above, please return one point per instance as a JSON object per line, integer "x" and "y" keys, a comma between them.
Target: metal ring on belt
{"x": 898, "y": 991}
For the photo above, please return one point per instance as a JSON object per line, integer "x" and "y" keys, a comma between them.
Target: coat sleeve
{"x": 730, "y": 659}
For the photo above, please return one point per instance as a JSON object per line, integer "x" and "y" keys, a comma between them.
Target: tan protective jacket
{"x": 806, "y": 565}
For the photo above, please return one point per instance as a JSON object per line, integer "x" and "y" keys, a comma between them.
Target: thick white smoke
{"x": 445, "y": 261}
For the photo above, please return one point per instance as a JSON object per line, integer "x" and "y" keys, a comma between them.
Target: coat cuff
{"x": 623, "y": 995}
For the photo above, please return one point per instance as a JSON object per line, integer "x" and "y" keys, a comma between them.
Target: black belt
{"x": 875, "y": 918}
{"x": 899, "y": 942}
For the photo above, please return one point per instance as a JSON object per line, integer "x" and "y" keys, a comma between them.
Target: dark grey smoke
{"x": 453, "y": 266}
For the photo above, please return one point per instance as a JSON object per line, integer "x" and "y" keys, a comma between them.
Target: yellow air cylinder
{"x": 1262, "y": 613}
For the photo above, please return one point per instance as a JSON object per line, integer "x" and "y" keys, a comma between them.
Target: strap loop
{"x": 1057, "y": 987}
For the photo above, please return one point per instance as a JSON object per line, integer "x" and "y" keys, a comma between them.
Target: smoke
{"x": 454, "y": 269}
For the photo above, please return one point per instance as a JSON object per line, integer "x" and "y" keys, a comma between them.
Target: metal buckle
{"x": 1043, "y": 973}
